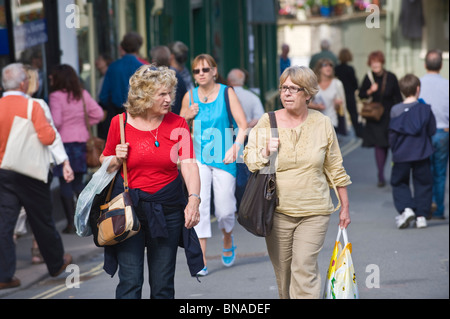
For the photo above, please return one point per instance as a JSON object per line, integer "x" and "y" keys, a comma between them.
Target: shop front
{"x": 26, "y": 37}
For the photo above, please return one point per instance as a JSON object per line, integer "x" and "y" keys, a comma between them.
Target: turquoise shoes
{"x": 228, "y": 261}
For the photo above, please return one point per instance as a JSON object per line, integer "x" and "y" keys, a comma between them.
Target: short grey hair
{"x": 180, "y": 51}
{"x": 12, "y": 75}
{"x": 325, "y": 44}
{"x": 236, "y": 77}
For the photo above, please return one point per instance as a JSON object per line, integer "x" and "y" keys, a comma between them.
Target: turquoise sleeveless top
{"x": 213, "y": 136}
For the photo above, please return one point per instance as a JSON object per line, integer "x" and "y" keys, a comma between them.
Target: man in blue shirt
{"x": 435, "y": 91}
{"x": 285, "y": 62}
{"x": 114, "y": 91}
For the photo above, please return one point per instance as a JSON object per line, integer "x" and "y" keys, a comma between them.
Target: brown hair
{"x": 131, "y": 42}
{"x": 409, "y": 84}
{"x": 204, "y": 57}
{"x": 64, "y": 78}
{"x": 375, "y": 56}
{"x": 345, "y": 55}
{"x": 319, "y": 66}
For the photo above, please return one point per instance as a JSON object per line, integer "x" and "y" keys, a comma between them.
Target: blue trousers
{"x": 439, "y": 163}
{"x": 161, "y": 261}
{"x": 422, "y": 182}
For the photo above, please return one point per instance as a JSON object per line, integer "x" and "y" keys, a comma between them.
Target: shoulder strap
{"x": 191, "y": 95}
{"x": 86, "y": 117}
{"x": 29, "y": 109}
{"x": 383, "y": 85}
{"x": 274, "y": 133}
{"x": 122, "y": 141}
{"x": 273, "y": 124}
{"x": 227, "y": 103}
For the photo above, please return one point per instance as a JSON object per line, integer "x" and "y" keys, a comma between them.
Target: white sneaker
{"x": 403, "y": 220}
{"x": 203, "y": 272}
{"x": 421, "y": 222}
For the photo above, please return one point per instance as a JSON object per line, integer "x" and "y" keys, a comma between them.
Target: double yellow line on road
{"x": 63, "y": 287}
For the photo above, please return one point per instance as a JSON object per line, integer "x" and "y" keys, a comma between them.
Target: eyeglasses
{"x": 197, "y": 71}
{"x": 292, "y": 89}
{"x": 326, "y": 64}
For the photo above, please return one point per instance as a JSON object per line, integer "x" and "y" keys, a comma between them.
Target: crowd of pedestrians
{"x": 178, "y": 180}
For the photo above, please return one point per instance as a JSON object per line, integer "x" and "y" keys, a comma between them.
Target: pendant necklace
{"x": 156, "y": 137}
{"x": 206, "y": 96}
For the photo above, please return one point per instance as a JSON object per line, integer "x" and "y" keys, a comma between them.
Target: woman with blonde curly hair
{"x": 156, "y": 141}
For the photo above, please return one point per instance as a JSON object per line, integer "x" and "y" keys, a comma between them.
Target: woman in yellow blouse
{"x": 308, "y": 164}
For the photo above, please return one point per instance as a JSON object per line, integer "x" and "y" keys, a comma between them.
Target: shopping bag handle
{"x": 343, "y": 232}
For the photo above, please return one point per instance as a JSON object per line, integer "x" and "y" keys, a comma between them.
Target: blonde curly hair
{"x": 144, "y": 84}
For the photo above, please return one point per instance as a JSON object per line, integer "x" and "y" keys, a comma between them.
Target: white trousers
{"x": 224, "y": 185}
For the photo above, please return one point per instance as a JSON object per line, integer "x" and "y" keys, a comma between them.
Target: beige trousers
{"x": 294, "y": 245}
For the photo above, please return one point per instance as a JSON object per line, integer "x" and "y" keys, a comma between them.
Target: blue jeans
{"x": 161, "y": 261}
{"x": 439, "y": 162}
{"x": 242, "y": 176}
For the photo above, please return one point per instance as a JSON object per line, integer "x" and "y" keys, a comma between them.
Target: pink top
{"x": 69, "y": 117}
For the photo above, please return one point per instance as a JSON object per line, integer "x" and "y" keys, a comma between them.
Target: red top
{"x": 150, "y": 168}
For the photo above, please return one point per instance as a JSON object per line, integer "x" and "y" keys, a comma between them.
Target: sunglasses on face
{"x": 291, "y": 89}
{"x": 204, "y": 70}
{"x": 327, "y": 64}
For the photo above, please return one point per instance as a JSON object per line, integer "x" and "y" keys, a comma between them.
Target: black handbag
{"x": 260, "y": 196}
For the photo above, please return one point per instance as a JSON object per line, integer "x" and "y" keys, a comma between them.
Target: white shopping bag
{"x": 99, "y": 181}
{"x": 24, "y": 152}
{"x": 341, "y": 277}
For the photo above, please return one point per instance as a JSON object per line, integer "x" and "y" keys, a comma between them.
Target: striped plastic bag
{"x": 341, "y": 277}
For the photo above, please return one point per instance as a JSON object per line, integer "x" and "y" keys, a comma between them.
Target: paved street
{"x": 390, "y": 263}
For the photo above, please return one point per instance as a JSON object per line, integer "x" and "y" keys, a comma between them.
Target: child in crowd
{"x": 411, "y": 126}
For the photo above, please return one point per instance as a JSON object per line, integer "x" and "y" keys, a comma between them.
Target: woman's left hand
{"x": 231, "y": 154}
{"x": 191, "y": 212}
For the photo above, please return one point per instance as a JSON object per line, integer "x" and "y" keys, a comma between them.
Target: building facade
{"x": 403, "y": 30}
{"x": 237, "y": 33}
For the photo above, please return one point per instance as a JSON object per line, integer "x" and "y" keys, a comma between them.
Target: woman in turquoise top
{"x": 215, "y": 151}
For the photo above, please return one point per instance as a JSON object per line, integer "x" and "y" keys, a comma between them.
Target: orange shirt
{"x": 16, "y": 105}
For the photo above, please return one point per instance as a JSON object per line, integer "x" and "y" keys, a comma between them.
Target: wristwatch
{"x": 195, "y": 195}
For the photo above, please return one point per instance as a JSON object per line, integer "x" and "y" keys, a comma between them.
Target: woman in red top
{"x": 156, "y": 141}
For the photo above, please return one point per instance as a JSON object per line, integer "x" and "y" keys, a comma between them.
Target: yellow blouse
{"x": 306, "y": 155}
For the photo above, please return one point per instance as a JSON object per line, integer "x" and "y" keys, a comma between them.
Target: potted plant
{"x": 314, "y": 7}
{"x": 326, "y": 7}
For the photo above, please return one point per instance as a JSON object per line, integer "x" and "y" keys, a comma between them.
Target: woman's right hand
{"x": 272, "y": 146}
{"x": 122, "y": 152}
{"x": 192, "y": 111}
{"x": 373, "y": 88}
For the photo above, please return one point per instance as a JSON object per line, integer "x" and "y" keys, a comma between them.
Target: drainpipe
{"x": 251, "y": 45}
{"x": 91, "y": 39}
{"x": 388, "y": 35}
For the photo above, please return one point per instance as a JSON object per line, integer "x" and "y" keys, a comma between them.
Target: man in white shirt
{"x": 253, "y": 109}
{"x": 435, "y": 91}
{"x": 250, "y": 102}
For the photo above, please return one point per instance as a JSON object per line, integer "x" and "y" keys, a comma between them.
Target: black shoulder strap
{"x": 273, "y": 124}
{"x": 274, "y": 133}
{"x": 227, "y": 103}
